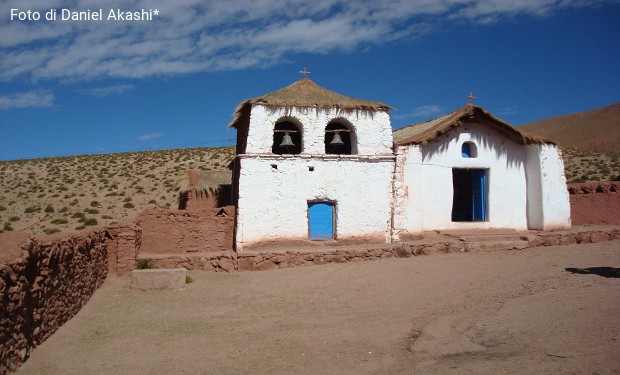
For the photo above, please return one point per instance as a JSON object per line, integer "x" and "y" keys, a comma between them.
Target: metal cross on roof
{"x": 305, "y": 72}
{"x": 470, "y": 97}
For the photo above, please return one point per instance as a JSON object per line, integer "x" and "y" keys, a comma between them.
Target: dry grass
{"x": 590, "y": 166}
{"x": 70, "y": 193}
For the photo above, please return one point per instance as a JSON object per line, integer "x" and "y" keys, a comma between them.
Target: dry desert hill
{"x": 590, "y": 142}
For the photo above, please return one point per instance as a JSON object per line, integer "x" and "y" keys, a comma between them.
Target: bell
{"x": 287, "y": 141}
{"x": 336, "y": 141}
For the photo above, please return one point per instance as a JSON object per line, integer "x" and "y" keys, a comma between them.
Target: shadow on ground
{"x": 609, "y": 272}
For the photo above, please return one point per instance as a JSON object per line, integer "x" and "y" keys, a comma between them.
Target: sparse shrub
{"x": 60, "y": 221}
{"x": 152, "y": 201}
{"x": 128, "y": 205}
{"x": 91, "y": 211}
{"x": 7, "y": 227}
{"x": 51, "y": 230}
{"x": 188, "y": 279}
{"x": 144, "y": 264}
{"x": 2, "y": 208}
{"x": 64, "y": 209}
{"x": 80, "y": 227}
{"x": 14, "y": 218}
{"x": 49, "y": 209}
{"x": 106, "y": 217}
{"x": 78, "y": 215}
{"x": 91, "y": 222}
{"x": 95, "y": 204}
{"x": 32, "y": 209}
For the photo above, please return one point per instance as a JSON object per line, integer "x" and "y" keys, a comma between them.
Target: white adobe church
{"x": 316, "y": 165}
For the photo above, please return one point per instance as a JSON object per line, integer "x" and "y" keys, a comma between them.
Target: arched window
{"x": 469, "y": 150}
{"x": 339, "y": 139}
{"x": 286, "y": 138}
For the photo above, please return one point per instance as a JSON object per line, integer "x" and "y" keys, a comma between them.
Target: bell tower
{"x": 305, "y": 156}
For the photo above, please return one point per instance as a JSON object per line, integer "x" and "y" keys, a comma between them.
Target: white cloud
{"x": 35, "y": 98}
{"x": 194, "y": 35}
{"x": 150, "y": 136}
{"x": 107, "y": 90}
{"x": 507, "y": 111}
{"x": 425, "y": 111}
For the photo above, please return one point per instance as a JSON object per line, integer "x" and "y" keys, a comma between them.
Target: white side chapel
{"x": 313, "y": 165}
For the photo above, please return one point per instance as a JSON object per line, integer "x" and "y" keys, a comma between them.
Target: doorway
{"x": 469, "y": 200}
{"x": 321, "y": 219}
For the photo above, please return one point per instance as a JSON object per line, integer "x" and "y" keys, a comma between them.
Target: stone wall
{"x": 43, "y": 287}
{"x": 167, "y": 237}
{"x": 178, "y": 231}
{"x": 260, "y": 260}
{"x": 595, "y": 203}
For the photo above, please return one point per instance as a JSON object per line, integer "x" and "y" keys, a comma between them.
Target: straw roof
{"x": 209, "y": 181}
{"x": 425, "y": 132}
{"x": 305, "y": 93}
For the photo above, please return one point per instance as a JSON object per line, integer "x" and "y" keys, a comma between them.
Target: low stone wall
{"x": 178, "y": 231}
{"x": 273, "y": 259}
{"x": 46, "y": 285}
{"x": 123, "y": 247}
{"x": 596, "y": 203}
{"x": 194, "y": 239}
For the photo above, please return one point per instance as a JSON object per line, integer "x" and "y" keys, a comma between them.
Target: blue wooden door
{"x": 321, "y": 220}
{"x": 478, "y": 188}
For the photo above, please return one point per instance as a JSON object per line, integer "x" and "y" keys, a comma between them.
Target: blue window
{"x": 468, "y": 150}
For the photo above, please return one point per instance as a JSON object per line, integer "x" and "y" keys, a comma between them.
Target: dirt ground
{"x": 553, "y": 310}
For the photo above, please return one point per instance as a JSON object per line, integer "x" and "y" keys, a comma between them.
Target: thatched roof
{"x": 425, "y": 132}
{"x": 305, "y": 93}
{"x": 209, "y": 181}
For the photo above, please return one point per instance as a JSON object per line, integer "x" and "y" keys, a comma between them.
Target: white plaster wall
{"x": 273, "y": 202}
{"x": 372, "y": 129}
{"x": 408, "y": 197}
{"x": 535, "y": 218}
{"x": 428, "y": 175}
{"x": 549, "y": 202}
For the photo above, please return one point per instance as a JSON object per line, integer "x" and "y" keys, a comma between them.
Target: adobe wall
{"x": 179, "y": 231}
{"x": 43, "y": 287}
{"x": 595, "y": 203}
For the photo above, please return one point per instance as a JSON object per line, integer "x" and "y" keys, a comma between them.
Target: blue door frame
{"x": 469, "y": 202}
{"x": 321, "y": 219}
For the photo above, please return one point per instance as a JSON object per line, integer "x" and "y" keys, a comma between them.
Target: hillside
{"x": 596, "y": 130}
{"x": 69, "y": 193}
{"x": 590, "y": 142}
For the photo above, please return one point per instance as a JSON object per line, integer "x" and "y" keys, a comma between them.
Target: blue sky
{"x": 88, "y": 87}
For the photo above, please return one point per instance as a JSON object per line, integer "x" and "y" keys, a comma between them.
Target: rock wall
{"x": 261, "y": 260}
{"x": 595, "y": 203}
{"x": 178, "y": 231}
{"x": 45, "y": 286}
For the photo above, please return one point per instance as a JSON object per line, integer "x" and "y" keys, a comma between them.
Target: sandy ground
{"x": 511, "y": 312}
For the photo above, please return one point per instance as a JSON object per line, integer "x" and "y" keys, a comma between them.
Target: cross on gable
{"x": 305, "y": 72}
{"x": 470, "y": 97}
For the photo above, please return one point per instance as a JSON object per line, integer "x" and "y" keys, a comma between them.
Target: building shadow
{"x": 609, "y": 272}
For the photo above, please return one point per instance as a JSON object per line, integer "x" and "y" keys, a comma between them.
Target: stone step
{"x": 158, "y": 279}
{"x": 497, "y": 245}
